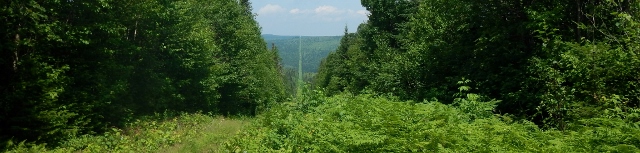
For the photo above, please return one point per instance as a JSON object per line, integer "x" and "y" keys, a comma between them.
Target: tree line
{"x": 314, "y": 49}
{"x": 551, "y": 62}
{"x": 81, "y": 67}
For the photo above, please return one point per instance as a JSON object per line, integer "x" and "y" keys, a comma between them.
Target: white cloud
{"x": 354, "y": 13}
{"x": 363, "y": 12}
{"x": 300, "y": 11}
{"x": 326, "y": 9}
{"x": 270, "y": 8}
{"x": 328, "y": 13}
{"x": 295, "y": 11}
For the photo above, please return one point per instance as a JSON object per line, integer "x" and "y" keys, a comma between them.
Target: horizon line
{"x": 301, "y": 35}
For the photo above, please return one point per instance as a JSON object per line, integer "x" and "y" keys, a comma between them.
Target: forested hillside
{"x": 314, "y": 48}
{"x": 71, "y": 68}
{"x": 551, "y": 62}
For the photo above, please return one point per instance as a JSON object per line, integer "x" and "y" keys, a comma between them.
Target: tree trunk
{"x": 15, "y": 52}
{"x": 626, "y": 6}
{"x": 579, "y": 20}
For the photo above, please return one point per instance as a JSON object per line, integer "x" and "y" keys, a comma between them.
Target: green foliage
{"x": 146, "y": 135}
{"x": 341, "y": 70}
{"x": 580, "y": 76}
{"x": 79, "y": 70}
{"x": 364, "y": 123}
{"x": 473, "y": 104}
{"x": 551, "y": 62}
{"x": 72, "y": 68}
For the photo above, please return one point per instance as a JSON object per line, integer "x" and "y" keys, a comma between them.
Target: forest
{"x": 418, "y": 76}
{"x": 314, "y": 49}
{"x": 72, "y": 68}
{"x": 550, "y": 62}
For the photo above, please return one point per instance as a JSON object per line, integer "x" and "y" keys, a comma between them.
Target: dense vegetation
{"x": 366, "y": 123}
{"x": 418, "y": 76}
{"x": 552, "y": 62}
{"x": 71, "y": 68}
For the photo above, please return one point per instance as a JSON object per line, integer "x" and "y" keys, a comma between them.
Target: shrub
{"x": 364, "y": 123}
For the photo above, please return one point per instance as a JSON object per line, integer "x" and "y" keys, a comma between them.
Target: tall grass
{"x": 185, "y": 133}
{"x": 212, "y": 137}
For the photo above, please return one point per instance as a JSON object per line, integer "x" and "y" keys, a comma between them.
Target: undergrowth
{"x": 144, "y": 135}
{"x": 363, "y": 123}
{"x": 367, "y": 123}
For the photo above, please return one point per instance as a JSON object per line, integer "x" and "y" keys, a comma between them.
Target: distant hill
{"x": 314, "y": 48}
{"x": 276, "y": 37}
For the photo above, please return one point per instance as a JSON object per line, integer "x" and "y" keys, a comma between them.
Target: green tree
{"x": 553, "y": 62}
{"x": 73, "y": 67}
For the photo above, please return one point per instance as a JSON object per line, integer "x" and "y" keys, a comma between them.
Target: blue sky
{"x": 308, "y": 17}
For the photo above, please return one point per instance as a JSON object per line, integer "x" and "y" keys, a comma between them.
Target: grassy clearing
{"x": 185, "y": 133}
{"x": 212, "y": 136}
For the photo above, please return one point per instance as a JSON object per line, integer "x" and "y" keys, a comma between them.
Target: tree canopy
{"x": 79, "y": 67}
{"x": 552, "y": 62}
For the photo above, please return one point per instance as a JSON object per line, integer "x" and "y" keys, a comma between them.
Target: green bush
{"x": 365, "y": 123}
